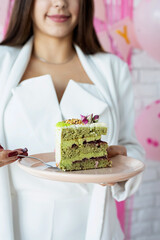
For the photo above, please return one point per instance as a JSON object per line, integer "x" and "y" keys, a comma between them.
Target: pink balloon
{"x": 148, "y": 130}
{"x": 147, "y": 26}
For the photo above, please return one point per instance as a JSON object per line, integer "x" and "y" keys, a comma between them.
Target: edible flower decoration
{"x": 89, "y": 119}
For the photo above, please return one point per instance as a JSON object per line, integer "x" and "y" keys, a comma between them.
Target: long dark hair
{"x": 21, "y": 29}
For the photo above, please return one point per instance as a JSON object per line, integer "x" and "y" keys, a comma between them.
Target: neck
{"x": 56, "y": 50}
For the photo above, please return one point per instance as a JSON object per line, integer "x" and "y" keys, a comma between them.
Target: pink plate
{"x": 123, "y": 169}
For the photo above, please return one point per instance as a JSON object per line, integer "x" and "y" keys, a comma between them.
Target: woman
{"x": 48, "y": 44}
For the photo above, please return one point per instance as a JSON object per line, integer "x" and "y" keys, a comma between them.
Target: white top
{"x": 58, "y": 210}
{"x": 115, "y": 107}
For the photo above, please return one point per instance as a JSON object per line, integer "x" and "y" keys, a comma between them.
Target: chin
{"x": 59, "y": 34}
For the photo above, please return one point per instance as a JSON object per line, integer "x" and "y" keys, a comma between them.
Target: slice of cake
{"x": 79, "y": 145}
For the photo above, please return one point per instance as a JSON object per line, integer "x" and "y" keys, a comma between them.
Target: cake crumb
{"x": 96, "y": 164}
{"x": 74, "y": 121}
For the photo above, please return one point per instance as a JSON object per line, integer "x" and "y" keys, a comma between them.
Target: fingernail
{"x": 25, "y": 150}
{"x": 25, "y": 154}
{"x": 1, "y": 147}
{"x": 12, "y": 154}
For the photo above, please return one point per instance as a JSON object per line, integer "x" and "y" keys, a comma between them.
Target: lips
{"x": 59, "y": 18}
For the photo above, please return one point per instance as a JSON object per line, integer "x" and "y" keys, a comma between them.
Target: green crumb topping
{"x": 62, "y": 124}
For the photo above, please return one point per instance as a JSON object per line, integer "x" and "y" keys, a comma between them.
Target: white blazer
{"x": 112, "y": 77}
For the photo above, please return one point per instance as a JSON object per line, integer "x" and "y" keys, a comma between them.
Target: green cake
{"x": 79, "y": 145}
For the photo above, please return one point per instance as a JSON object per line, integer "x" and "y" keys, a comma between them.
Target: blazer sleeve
{"x": 127, "y": 136}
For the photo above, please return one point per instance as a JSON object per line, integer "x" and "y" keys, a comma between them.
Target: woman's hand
{"x": 113, "y": 151}
{"x": 8, "y": 156}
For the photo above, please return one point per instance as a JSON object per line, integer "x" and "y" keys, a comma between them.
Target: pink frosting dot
{"x": 159, "y": 115}
{"x": 156, "y": 144}
{"x": 157, "y": 102}
{"x": 149, "y": 140}
{"x": 148, "y": 107}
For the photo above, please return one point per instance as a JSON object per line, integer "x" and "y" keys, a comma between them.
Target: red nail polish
{"x": 1, "y": 147}
{"x": 24, "y": 154}
{"x": 12, "y": 154}
{"x": 25, "y": 150}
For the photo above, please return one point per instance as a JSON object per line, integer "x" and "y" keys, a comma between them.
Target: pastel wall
{"x": 3, "y": 14}
{"x": 148, "y": 130}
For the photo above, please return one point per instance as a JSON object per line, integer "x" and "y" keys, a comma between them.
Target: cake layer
{"x": 78, "y": 141}
{"x": 82, "y": 131}
{"x": 87, "y": 150}
{"x": 92, "y": 163}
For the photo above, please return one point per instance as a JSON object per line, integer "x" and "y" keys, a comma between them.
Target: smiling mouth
{"x": 58, "y": 18}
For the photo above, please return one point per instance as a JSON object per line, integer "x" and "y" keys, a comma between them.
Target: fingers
{"x": 110, "y": 184}
{"x": 9, "y": 161}
{"x": 1, "y": 148}
{"x": 23, "y": 151}
{"x": 116, "y": 150}
{"x": 103, "y": 184}
{"x": 8, "y": 156}
{"x": 107, "y": 184}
